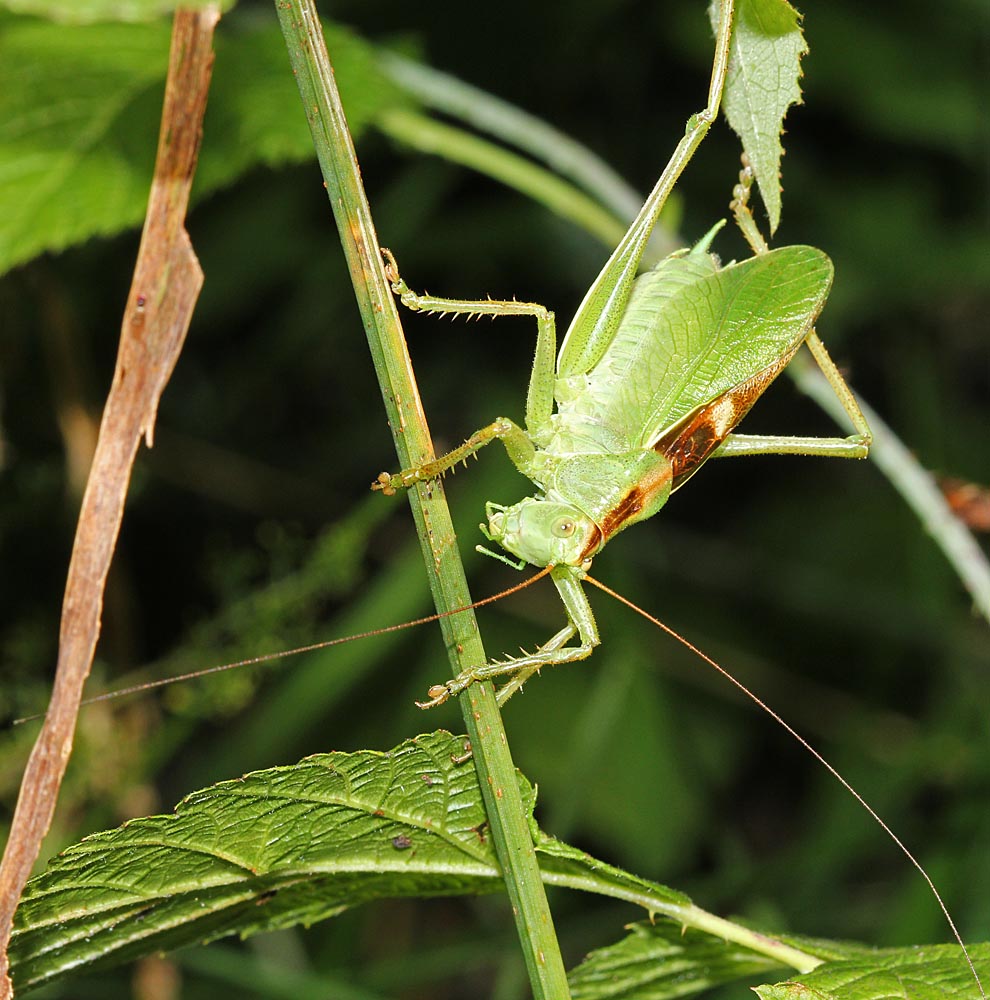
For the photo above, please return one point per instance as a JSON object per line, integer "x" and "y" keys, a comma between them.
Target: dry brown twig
{"x": 166, "y": 284}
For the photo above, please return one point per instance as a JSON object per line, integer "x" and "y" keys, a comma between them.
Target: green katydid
{"x": 653, "y": 376}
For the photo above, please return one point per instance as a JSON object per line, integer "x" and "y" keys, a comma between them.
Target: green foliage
{"x": 657, "y": 961}
{"x": 282, "y": 847}
{"x": 79, "y": 115}
{"x": 928, "y": 973}
{"x": 297, "y": 845}
{"x": 272, "y": 849}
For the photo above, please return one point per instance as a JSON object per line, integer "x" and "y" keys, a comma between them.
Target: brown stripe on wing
{"x": 693, "y": 439}
{"x": 594, "y": 546}
{"x": 628, "y": 508}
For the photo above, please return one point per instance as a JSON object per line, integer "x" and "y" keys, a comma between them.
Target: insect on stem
{"x": 814, "y": 753}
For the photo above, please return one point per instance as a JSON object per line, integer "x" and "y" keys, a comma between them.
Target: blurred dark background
{"x": 250, "y": 527}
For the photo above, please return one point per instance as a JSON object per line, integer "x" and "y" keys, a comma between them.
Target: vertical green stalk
{"x": 496, "y": 773}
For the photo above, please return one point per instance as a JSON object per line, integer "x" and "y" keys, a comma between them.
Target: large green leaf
{"x": 80, "y": 111}
{"x": 280, "y": 847}
{"x": 932, "y": 972}
{"x": 762, "y": 83}
{"x": 658, "y": 961}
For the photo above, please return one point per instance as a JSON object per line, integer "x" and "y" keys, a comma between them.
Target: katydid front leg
{"x": 580, "y": 620}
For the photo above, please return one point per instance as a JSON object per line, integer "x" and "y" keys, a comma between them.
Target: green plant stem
{"x": 914, "y": 483}
{"x": 496, "y": 773}
{"x": 695, "y": 917}
{"x": 429, "y": 136}
{"x": 513, "y": 126}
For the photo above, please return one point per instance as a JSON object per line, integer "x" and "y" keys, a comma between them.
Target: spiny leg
{"x": 507, "y": 690}
{"x": 539, "y": 402}
{"x": 604, "y": 304}
{"x": 517, "y": 443}
{"x": 580, "y": 619}
{"x": 539, "y": 395}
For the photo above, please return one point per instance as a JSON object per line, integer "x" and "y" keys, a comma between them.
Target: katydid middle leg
{"x": 539, "y": 396}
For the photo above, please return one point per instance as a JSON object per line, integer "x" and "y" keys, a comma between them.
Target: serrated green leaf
{"x": 281, "y": 847}
{"x": 278, "y": 847}
{"x": 790, "y": 991}
{"x": 931, "y": 972}
{"x": 90, "y": 11}
{"x": 566, "y": 864}
{"x": 762, "y": 83}
{"x": 658, "y": 961}
{"x": 80, "y": 111}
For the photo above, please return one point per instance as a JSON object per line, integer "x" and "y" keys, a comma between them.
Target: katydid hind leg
{"x": 604, "y": 304}
{"x": 841, "y": 389}
{"x": 855, "y": 445}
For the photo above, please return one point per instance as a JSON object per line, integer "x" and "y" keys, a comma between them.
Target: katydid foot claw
{"x": 391, "y": 267}
{"x": 388, "y": 483}
{"x": 438, "y": 694}
{"x": 384, "y": 484}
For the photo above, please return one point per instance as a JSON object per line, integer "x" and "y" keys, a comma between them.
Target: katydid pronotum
{"x": 652, "y": 378}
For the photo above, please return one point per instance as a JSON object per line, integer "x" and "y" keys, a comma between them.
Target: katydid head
{"x": 542, "y": 532}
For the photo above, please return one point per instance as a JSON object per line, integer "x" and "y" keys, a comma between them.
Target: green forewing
{"x": 692, "y": 332}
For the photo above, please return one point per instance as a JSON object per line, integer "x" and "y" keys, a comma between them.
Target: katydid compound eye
{"x": 564, "y": 527}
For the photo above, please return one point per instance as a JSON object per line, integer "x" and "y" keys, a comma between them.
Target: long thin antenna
{"x": 266, "y": 657}
{"x": 814, "y": 753}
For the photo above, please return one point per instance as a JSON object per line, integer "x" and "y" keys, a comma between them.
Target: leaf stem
{"x": 915, "y": 484}
{"x": 426, "y": 135}
{"x": 697, "y": 918}
{"x": 496, "y": 773}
